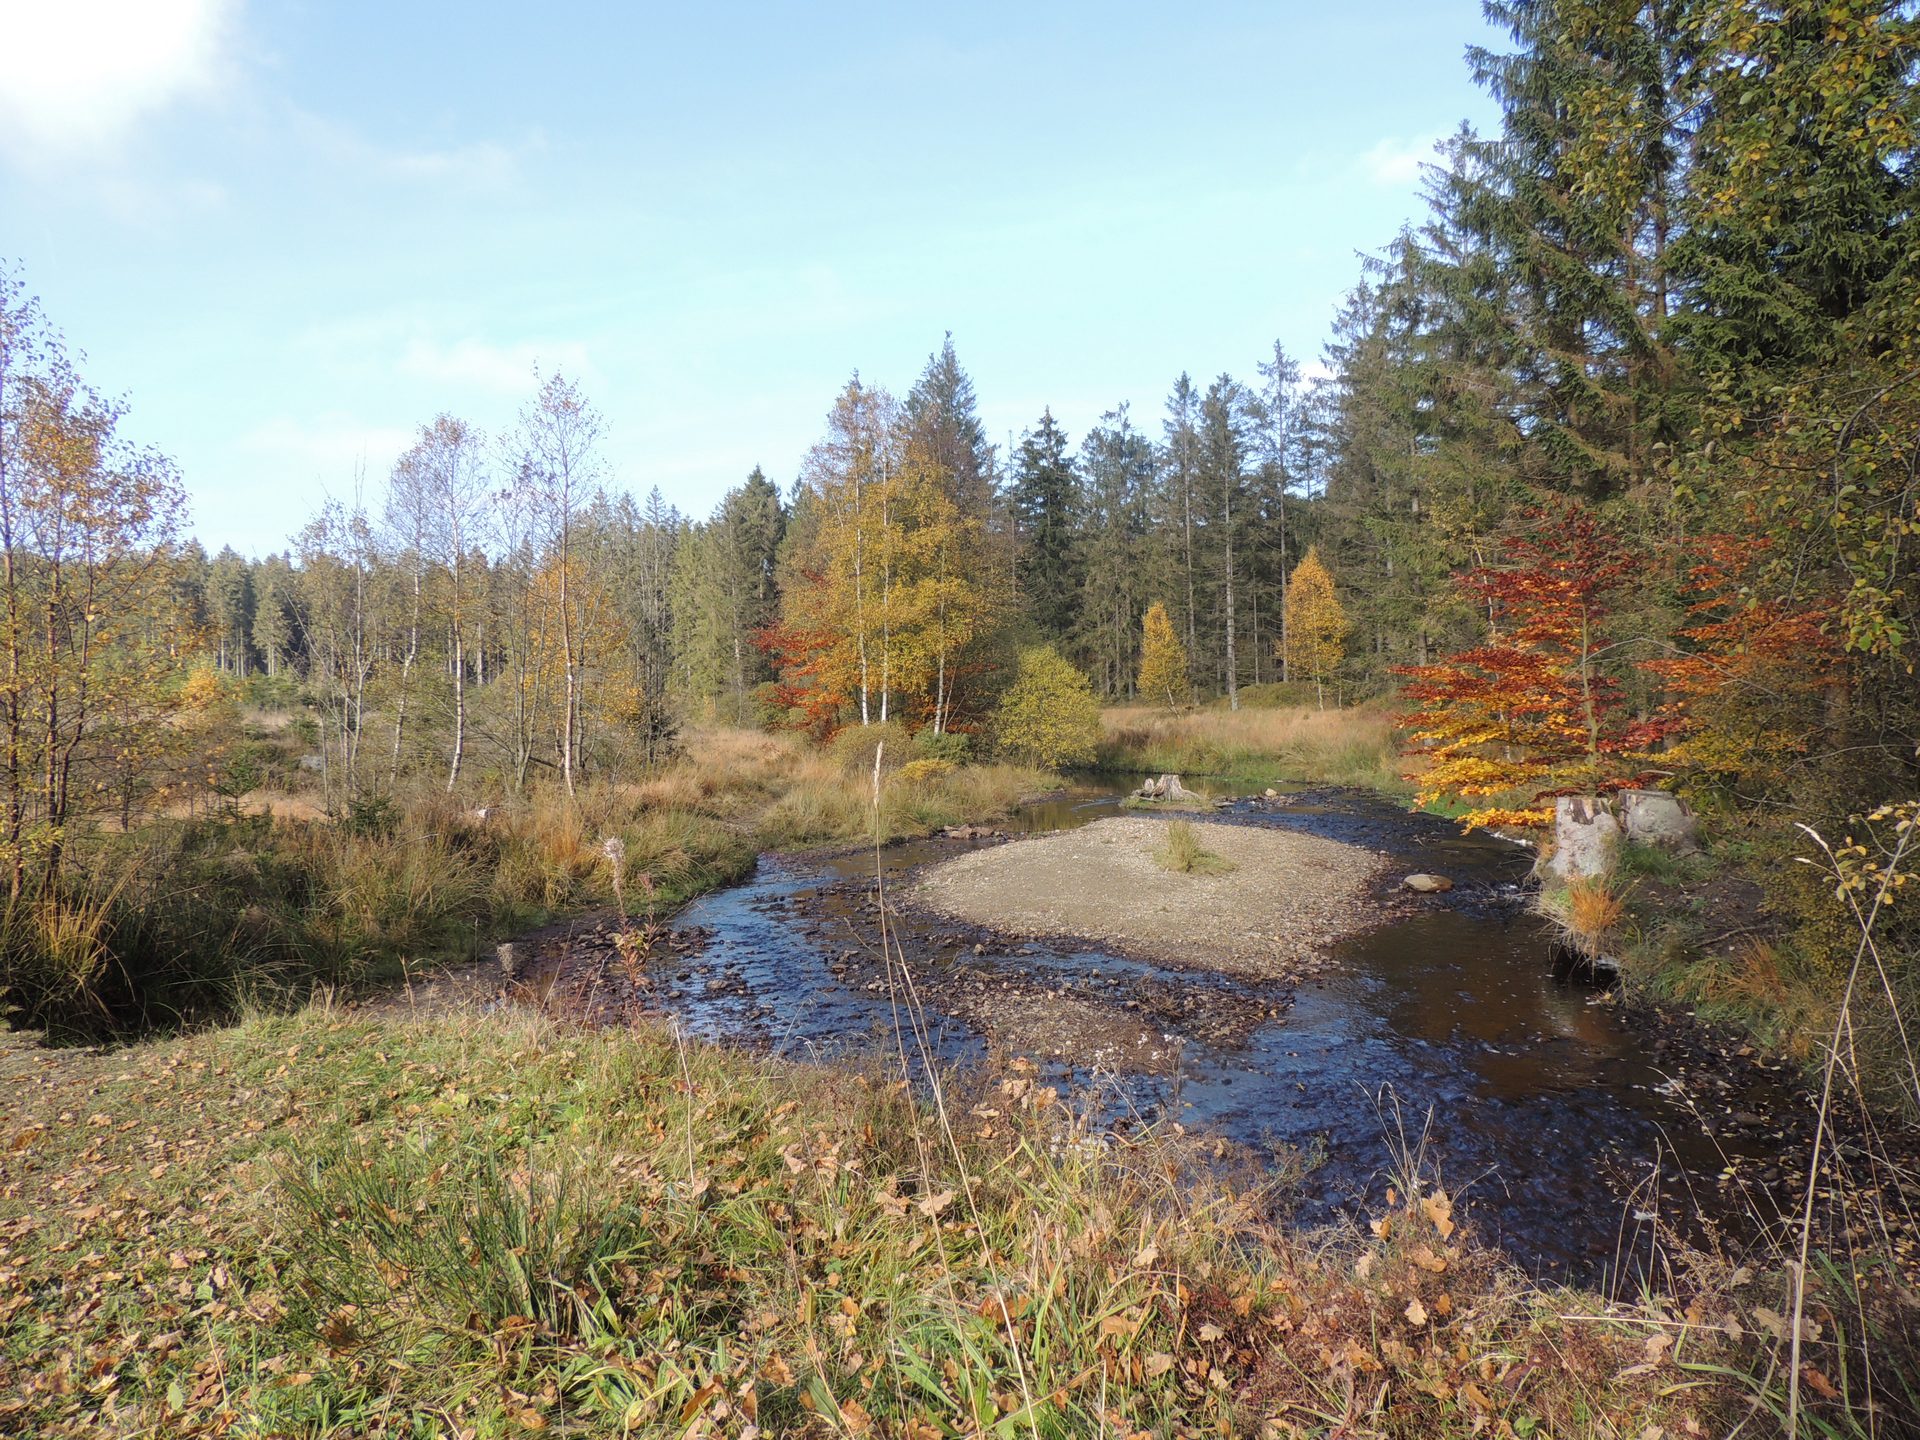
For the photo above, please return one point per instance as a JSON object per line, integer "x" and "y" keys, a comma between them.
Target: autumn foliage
{"x": 1746, "y": 693}
{"x": 1163, "y": 661}
{"x": 1534, "y": 709}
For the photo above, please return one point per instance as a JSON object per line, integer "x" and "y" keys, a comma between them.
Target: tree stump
{"x": 1585, "y": 834}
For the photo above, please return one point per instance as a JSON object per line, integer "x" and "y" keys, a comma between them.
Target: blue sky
{"x": 290, "y": 231}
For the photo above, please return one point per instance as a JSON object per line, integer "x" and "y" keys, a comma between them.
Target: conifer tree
{"x": 1116, "y": 473}
{"x": 1044, "y": 495}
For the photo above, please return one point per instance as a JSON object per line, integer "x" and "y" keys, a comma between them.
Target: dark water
{"x": 1559, "y": 1118}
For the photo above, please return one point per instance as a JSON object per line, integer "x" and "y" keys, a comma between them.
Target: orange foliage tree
{"x": 1534, "y": 708}
{"x": 1754, "y": 667}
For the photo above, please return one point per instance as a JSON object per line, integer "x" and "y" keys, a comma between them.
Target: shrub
{"x": 1050, "y": 716}
{"x": 926, "y": 769}
{"x": 853, "y": 748}
{"x": 947, "y": 745}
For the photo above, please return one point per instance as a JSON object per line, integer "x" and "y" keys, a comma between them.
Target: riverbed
{"x": 1573, "y": 1132}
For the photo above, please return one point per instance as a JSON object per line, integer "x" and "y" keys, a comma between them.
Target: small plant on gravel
{"x": 1185, "y": 855}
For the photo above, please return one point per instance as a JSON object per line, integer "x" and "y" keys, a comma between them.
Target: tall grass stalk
{"x": 895, "y": 958}
{"x": 1839, "y": 1048}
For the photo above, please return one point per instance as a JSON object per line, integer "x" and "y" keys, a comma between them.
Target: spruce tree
{"x": 1044, "y": 496}
{"x": 1116, "y": 472}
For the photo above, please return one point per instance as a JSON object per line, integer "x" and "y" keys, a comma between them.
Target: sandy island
{"x": 1290, "y": 896}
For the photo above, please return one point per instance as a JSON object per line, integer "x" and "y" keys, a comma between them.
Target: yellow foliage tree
{"x": 1316, "y": 624}
{"x": 1049, "y": 716}
{"x": 1163, "y": 661}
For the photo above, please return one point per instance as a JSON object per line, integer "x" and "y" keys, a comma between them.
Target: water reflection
{"x": 1542, "y": 1101}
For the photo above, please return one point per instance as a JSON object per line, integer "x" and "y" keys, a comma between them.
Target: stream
{"x": 1571, "y": 1133}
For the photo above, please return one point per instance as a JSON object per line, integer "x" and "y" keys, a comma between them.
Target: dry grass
{"x": 1354, "y": 746}
{"x": 1185, "y": 855}
{"x": 1588, "y": 911}
{"x": 503, "y": 1226}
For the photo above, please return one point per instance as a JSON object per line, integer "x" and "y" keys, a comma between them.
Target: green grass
{"x": 331, "y": 1227}
{"x": 1185, "y": 855}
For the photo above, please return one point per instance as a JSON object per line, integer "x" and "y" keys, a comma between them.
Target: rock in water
{"x": 1428, "y": 884}
{"x": 1585, "y": 833}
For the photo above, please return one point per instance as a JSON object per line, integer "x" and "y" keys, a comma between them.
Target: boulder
{"x": 1272, "y": 794}
{"x": 1659, "y": 818}
{"x": 1427, "y": 884}
{"x": 1585, "y": 834}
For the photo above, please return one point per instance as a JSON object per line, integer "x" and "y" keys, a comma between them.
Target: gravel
{"x": 1289, "y": 897}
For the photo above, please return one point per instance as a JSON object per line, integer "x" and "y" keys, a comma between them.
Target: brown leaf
{"x": 1439, "y": 1209}
{"x": 1819, "y": 1383}
{"x": 932, "y": 1205}
{"x": 1416, "y": 1313}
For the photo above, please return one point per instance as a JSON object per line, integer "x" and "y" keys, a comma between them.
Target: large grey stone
{"x": 1659, "y": 818}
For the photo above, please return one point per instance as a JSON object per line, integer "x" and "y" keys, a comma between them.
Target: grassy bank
{"x": 188, "y": 920}
{"x": 1274, "y": 746}
{"x": 319, "y": 1226}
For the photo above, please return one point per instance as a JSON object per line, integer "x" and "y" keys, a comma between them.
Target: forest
{"x": 1607, "y": 481}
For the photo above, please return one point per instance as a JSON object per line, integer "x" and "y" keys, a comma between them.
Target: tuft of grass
{"x": 1185, "y": 855}
{"x": 1588, "y": 911}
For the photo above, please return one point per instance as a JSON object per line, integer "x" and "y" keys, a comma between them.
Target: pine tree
{"x": 230, "y": 599}
{"x": 1278, "y": 429}
{"x": 964, "y": 559}
{"x": 1317, "y": 629}
{"x": 1224, "y": 418}
{"x": 1180, "y": 514}
{"x": 274, "y": 626}
{"x": 1163, "y": 661}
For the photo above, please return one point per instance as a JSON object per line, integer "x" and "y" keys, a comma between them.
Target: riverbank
{"x": 1275, "y": 746}
{"x": 341, "y": 1227}
{"x": 192, "y": 921}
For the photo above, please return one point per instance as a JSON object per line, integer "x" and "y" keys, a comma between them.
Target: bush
{"x": 954, "y": 748}
{"x": 1050, "y": 716}
{"x": 853, "y": 748}
{"x": 926, "y": 769}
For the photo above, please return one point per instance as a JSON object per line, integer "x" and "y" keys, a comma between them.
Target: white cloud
{"x": 495, "y": 368}
{"x": 1397, "y": 162}
{"x": 80, "y": 74}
